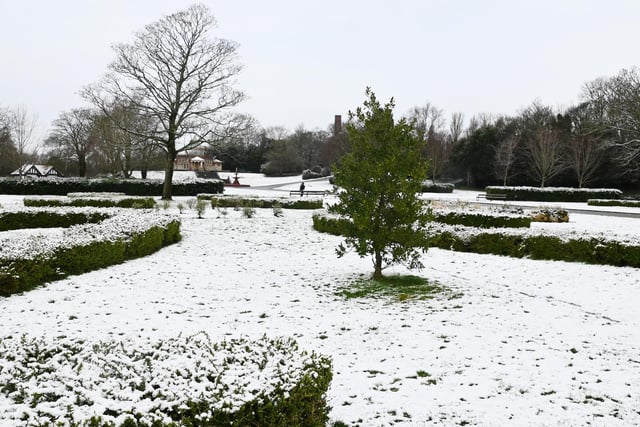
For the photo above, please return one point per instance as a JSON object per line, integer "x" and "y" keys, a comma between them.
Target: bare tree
{"x": 177, "y": 75}
{"x": 22, "y": 126}
{"x": 429, "y": 123}
{"x": 456, "y": 127}
{"x": 617, "y": 100}
{"x": 586, "y": 145}
{"x": 72, "y": 135}
{"x": 505, "y": 157}
{"x": 546, "y": 157}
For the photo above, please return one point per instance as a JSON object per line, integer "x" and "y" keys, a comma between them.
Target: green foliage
{"x": 248, "y": 211}
{"x": 625, "y": 203}
{"x": 551, "y": 194}
{"x": 430, "y": 187}
{"x": 137, "y": 203}
{"x": 47, "y": 219}
{"x": 236, "y": 202}
{"x": 380, "y": 179}
{"x": 399, "y": 288}
{"x": 200, "y": 207}
{"x": 481, "y": 220}
{"x": 132, "y": 187}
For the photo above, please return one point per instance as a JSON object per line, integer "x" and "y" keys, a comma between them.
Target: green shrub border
{"x": 550, "y": 194}
{"x": 481, "y": 221}
{"x": 47, "y": 219}
{"x": 608, "y": 202}
{"x": 590, "y": 250}
{"x": 135, "y": 203}
{"x": 132, "y": 187}
{"x": 25, "y": 274}
{"x": 437, "y": 188}
{"x": 245, "y": 202}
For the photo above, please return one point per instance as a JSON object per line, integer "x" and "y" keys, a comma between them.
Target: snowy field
{"x": 522, "y": 343}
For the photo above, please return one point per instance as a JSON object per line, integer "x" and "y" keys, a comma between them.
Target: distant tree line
{"x": 593, "y": 143}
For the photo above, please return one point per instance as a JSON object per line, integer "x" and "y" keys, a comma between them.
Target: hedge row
{"x": 605, "y": 202}
{"x": 184, "y": 381}
{"x": 132, "y": 187}
{"x": 482, "y": 220}
{"x": 234, "y": 202}
{"x": 15, "y": 220}
{"x": 95, "y": 202}
{"x": 25, "y": 264}
{"x": 554, "y": 194}
{"x": 430, "y": 187}
{"x": 590, "y": 250}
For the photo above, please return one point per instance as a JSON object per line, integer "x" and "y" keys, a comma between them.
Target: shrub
{"x": 15, "y": 220}
{"x": 201, "y": 206}
{"x": 554, "y": 194}
{"x": 550, "y": 215}
{"x": 95, "y": 202}
{"x": 188, "y": 381}
{"x": 478, "y": 219}
{"x": 27, "y": 263}
{"x": 609, "y": 202}
{"x": 237, "y": 202}
{"x": 431, "y": 187}
{"x": 277, "y": 209}
{"x": 248, "y": 212}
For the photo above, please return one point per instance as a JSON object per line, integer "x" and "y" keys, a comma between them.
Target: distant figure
{"x": 301, "y": 189}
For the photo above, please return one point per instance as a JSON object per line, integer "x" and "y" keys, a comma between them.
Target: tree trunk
{"x": 168, "y": 174}
{"x": 377, "y": 268}
{"x": 82, "y": 167}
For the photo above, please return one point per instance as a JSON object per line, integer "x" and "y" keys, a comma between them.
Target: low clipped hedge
{"x": 481, "y": 220}
{"x": 608, "y": 202}
{"x": 26, "y": 264}
{"x": 16, "y": 220}
{"x": 136, "y": 203}
{"x": 590, "y": 250}
{"x": 430, "y": 187}
{"x": 246, "y": 202}
{"x": 132, "y": 187}
{"x": 183, "y": 381}
{"x": 554, "y": 194}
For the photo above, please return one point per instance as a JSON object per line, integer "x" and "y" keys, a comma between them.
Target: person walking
{"x": 301, "y": 189}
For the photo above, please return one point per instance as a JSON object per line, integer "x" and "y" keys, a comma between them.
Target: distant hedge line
{"x": 554, "y": 194}
{"x": 625, "y": 203}
{"x": 246, "y": 202}
{"x": 590, "y": 250}
{"x": 430, "y": 187}
{"x": 132, "y": 187}
{"x": 136, "y": 203}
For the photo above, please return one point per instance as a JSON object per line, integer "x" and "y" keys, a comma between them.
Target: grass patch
{"x": 399, "y": 288}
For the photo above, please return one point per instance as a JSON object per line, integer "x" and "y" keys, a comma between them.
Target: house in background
{"x": 39, "y": 171}
{"x": 196, "y": 161}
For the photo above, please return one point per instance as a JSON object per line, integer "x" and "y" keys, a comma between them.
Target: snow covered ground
{"x": 515, "y": 341}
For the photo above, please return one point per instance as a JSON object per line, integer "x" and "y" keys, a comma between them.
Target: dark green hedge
{"x": 137, "y": 203}
{"x": 132, "y": 187}
{"x": 589, "y": 250}
{"x": 233, "y": 202}
{"x": 625, "y": 203}
{"x": 25, "y": 274}
{"x": 47, "y": 219}
{"x": 550, "y": 194}
{"x": 481, "y": 221}
{"x": 437, "y": 188}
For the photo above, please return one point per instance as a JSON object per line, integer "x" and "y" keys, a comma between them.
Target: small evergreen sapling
{"x": 381, "y": 178}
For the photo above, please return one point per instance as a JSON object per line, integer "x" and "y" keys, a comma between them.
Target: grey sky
{"x": 306, "y": 61}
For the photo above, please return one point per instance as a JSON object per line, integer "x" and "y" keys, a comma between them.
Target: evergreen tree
{"x": 380, "y": 179}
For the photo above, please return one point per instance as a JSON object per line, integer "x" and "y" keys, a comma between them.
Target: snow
{"x": 526, "y": 342}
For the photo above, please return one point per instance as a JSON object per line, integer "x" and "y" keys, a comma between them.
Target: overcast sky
{"x": 305, "y": 61}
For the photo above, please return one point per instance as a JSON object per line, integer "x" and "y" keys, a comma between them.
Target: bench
{"x": 491, "y": 196}
{"x": 308, "y": 192}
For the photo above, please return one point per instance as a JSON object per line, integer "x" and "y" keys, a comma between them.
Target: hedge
{"x": 183, "y": 381}
{"x": 590, "y": 250}
{"x": 132, "y": 187}
{"x": 430, "y": 187}
{"x": 95, "y": 202}
{"x": 245, "y": 202}
{"x": 28, "y": 263}
{"x": 608, "y": 202}
{"x": 482, "y": 220}
{"x": 15, "y": 220}
{"x": 554, "y": 194}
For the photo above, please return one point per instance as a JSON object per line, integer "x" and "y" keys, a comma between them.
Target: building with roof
{"x": 38, "y": 171}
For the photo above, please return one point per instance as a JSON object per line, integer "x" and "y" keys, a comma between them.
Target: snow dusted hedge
{"x": 96, "y": 202}
{"x": 431, "y": 187}
{"x": 608, "y": 202}
{"x": 478, "y": 219}
{"x": 232, "y": 202}
{"x": 124, "y": 234}
{"x": 554, "y": 194}
{"x": 12, "y": 220}
{"x": 184, "y": 381}
{"x": 520, "y": 243}
{"x": 133, "y": 187}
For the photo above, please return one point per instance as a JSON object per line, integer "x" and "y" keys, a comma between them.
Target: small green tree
{"x": 380, "y": 179}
